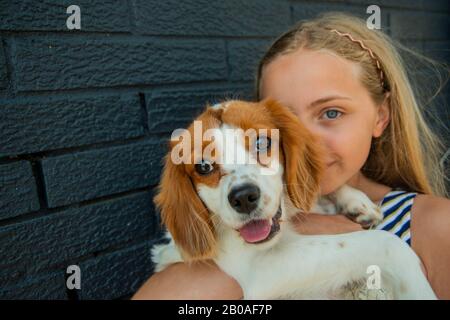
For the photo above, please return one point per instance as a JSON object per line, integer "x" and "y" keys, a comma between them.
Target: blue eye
{"x": 332, "y": 114}
{"x": 262, "y": 143}
{"x": 204, "y": 167}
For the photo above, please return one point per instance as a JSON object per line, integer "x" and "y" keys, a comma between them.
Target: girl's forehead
{"x": 306, "y": 74}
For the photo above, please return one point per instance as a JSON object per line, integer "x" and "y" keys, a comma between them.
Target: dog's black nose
{"x": 244, "y": 198}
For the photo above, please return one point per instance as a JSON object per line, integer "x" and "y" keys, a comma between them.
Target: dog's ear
{"x": 302, "y": 155}
{"x": 184, "y": 214}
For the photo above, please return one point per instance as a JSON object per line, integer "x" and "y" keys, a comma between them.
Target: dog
{"x": 240, "y": 215}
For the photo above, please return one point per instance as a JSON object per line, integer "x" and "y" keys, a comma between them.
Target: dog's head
{"x": 230, "y": 168}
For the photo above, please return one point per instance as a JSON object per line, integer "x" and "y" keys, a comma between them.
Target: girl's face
{"x": 325, "y": 92}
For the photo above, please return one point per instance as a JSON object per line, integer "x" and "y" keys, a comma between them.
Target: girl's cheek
{"x": 342, "y": 141}
{"x": 347, "y": 146}
{"x": 335, "y": 143}
{"x": 332, "y": 136}
{"x": 355, "y": 147}
{"x": 325, "y": 134}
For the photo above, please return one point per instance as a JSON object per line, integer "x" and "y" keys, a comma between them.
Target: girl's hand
{"x": 314, "y": 223}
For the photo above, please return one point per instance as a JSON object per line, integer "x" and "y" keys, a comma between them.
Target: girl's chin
{"x": 327, "y": 189}
{"x": 331, "y": 181}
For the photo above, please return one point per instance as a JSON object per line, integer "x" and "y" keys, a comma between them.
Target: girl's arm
{"x": 313, "y": 223}
{"x": 430, "y": 239}
{"x": 207, "y": 281}
{"x": 182, "y": 281}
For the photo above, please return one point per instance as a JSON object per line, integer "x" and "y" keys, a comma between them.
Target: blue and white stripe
{"x": 396, "y": 207}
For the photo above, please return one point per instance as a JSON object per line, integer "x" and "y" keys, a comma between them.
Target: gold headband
{"x": 377, "y": 62}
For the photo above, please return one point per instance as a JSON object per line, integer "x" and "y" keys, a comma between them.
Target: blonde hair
{"x": 407, "y": 154}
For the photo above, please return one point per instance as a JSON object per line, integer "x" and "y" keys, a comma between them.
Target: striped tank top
{"x": 396, "y": 207}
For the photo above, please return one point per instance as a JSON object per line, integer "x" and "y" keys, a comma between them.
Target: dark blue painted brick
{"x": 438, "y": 50}
{"x": 116, "y": 274}
{"x": 419, "y": 25}
{"x": 212, "y": 17}
{"x": 435, "y": 5}
{"x": 52, "y": 63}
{"x": 50, "y": 15}
{"x": 416, "y": 45}
{"x": 60, "y": 239}
{"x": 18, "y": 193}
{"x": 90, "y": 174}
{"x": 425, "y": 5}
{"x": 52, "y": 123}
{"x": 169, "y": 110}
{"x": 381, "y": 3}
{"x": 244, "y": 56}
{"x": 311, "y": 10}
{"x": 3, "y": 69}
{"x": 45, "y": 286}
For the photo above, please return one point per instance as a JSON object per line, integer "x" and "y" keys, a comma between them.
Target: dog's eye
{"x": 204, "y": 167}
{"x": 262, "y": 143}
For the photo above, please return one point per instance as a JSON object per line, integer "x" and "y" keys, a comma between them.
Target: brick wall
{"x": 85, "y": 115}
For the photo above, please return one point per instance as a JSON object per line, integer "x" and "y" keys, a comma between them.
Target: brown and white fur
{"x": 203, "y": 225}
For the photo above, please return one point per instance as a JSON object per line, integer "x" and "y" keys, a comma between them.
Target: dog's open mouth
{"x": 258, "y": 231}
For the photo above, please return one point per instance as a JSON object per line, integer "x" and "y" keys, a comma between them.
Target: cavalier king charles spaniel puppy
{"x": 230, "y": 196}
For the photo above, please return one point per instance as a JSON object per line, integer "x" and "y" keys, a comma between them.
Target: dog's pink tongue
{"x": 255, "y": 230}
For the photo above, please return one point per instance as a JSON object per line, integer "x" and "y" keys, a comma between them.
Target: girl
{"x": 348, "y": 85}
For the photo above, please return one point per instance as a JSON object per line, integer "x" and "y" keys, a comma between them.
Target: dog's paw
{"x": 357, "y": 206}
{"x": 366, "y": 213}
